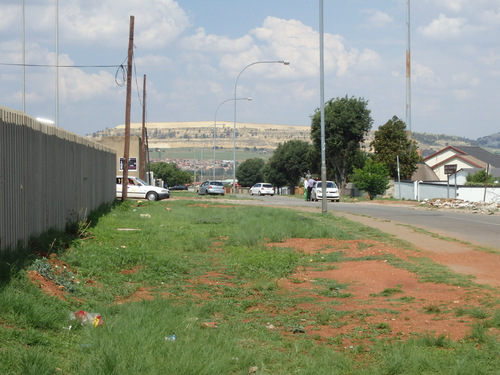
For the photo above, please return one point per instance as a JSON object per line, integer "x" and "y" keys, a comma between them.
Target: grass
{"x": 195, "y": 265}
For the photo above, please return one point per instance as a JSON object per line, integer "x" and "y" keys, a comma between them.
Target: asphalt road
{"x": 479, "y": 229}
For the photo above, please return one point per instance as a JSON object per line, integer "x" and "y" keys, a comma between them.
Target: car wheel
{"x": 271, "y": 195}
{"x": 260, "y": 193}
{"x": 151, "y": 196}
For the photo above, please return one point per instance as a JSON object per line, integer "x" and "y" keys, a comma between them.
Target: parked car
{"x": 211, "y": 187}
{"x": 332, "y": 191}
{"x": 138, "y": 188}
{"x": 262, "y": 188}
{"x": 179, "y": 187}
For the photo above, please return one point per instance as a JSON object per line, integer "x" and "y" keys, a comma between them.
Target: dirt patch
{"x": 210, "y": 205}
{"x": 47, "y": 286}
{"x": 375, "y": 298}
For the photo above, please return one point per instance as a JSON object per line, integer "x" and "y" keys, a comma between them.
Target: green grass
{"x": 203, "y": 264}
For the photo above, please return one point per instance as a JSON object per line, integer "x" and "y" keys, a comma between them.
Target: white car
{"x": 332, "y": 191}
{"x": 138, "y": 188}
{"x": 262, "y": 188}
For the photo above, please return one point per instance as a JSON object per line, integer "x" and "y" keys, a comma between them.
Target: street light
{"x": 234, "y": 125}
{"x": 215, "y": 123}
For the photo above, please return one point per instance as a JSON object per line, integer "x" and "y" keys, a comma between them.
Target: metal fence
{"x": 48, "y": 176}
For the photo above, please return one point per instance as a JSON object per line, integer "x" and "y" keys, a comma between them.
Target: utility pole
{"x": 142, "y": 171}
{"x": 322, "y": 108}
{"x": 127, "y": 110}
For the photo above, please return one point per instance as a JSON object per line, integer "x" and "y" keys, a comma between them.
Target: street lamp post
{"x": 234, "y": 125}
{"x": 215, "y": 123}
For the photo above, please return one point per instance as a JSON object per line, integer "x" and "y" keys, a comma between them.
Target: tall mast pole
{"x": 142, "y": 172}
{"x": 408, "y": 69}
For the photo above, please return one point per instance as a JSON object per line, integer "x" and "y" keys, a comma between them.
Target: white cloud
{"x": 424, "y": 75}
{"x": 201, "y": 41}
{"x": 379, "y": 19}
{"x": 9, "y": 16}
{"x": 444, "y": 28}
{"x": 298, "y": 43}
{"x": 156, "y": 23}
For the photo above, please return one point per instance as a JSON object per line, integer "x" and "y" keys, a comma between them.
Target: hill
{"x": 266, "y": 137}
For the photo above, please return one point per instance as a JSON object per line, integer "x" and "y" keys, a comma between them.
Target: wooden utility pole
{"x": 486, "y": 182}
{"x": 127, "y": 110}
{"x": 142, "y": 171}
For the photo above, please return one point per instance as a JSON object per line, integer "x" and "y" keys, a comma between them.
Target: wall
{"x": 421, "y": 191}
{"x": 117, "y": 143}
{"x": 47, "y": 176}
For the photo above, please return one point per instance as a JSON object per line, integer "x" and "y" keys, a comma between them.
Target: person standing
{"x": 310, "y": 185}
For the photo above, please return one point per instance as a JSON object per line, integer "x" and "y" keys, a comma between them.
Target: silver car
{"x": 211, "y": 187}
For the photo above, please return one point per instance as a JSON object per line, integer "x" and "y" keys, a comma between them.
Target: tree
{"x": 479, "y": 179}
{"x": 170, "y": 173}
{"x": 373, "y": 178}
{"x": 250, "y": 172}
{"x": 347, "y": 121}
{"x": 288, "y": 163}
{"x": 391, "y": 140}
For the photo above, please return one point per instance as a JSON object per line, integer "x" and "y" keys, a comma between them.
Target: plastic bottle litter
{"x": 170, "y": 338}
{"x": 86, "y": 318}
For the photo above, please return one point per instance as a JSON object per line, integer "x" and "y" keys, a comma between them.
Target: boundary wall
{"x": 420, "y": 191}
{"x": 48, "y": 176}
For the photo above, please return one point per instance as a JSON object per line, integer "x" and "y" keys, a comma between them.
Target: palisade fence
{"x": 48, "y": 177}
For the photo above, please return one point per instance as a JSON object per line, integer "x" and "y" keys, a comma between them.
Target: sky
{"x": 196, "y": 53}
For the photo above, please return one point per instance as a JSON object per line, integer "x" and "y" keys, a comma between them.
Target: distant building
{"x": 118, "y": 144}
{"x": 460, "y": 158}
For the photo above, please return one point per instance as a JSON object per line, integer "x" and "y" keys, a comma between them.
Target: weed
{"x": 432, "y": 309}
{"x": 476, "y": 313}
{"x": 387, "y": 292}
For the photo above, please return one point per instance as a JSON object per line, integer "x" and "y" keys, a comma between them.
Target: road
{"x": 479, "y": 229}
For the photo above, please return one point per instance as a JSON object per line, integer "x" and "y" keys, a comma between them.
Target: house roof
{"x": 483, "y": 155}
{"x": 472, "y": 153}
{"x": 424, "y": 173}
{"x": 471, "y": 160}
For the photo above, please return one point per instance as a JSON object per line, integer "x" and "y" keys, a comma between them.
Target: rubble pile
{"x": 476, "y": 207}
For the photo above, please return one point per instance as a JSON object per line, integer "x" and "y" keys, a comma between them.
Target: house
{"x": 461, "y": 158}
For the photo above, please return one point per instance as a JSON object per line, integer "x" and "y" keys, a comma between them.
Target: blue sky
{"x": 192, "y": 52}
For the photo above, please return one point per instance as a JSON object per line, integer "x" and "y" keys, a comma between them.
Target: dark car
{"x": 178, "y": 187}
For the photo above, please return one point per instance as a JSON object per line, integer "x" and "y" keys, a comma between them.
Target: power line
{"x": 60, "y": 66}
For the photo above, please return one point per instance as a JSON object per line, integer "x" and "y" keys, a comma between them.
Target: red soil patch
{"x": 413, "y": 307}
{"x": 210, "y": 205}
{"x": 47, "y": 286}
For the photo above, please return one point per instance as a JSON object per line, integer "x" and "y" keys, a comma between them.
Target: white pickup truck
{"x": 138, "y": 188}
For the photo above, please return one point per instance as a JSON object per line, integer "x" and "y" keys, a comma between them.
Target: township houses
{"x": 456, "y": 162}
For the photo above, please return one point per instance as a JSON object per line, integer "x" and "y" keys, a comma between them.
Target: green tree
{"x": 250, "y": 172}
{"x": 373, "y": 178}
{"x": 391, "y": 140}
{"x": 170, "y": 173}
{"x": 288, "y": 163}
{"x": 479, "y": 178}
{"x": 347, "y": 121}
